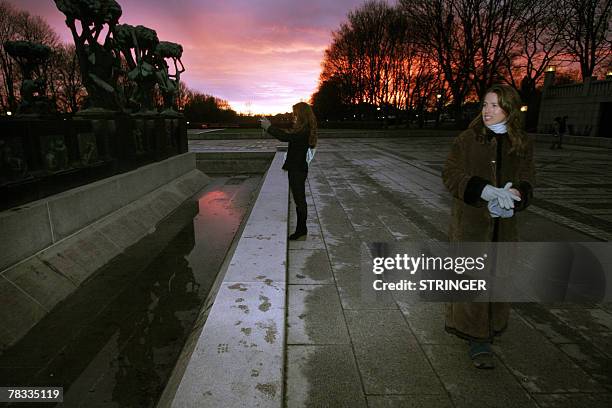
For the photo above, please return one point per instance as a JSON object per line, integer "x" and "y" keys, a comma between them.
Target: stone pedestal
{"x": 40, "y": 156}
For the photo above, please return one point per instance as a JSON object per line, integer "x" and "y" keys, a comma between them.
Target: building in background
{"x": 587, "y": 105}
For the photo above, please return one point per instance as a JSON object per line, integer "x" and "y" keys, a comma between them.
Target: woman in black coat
{"x": 301, "y": 137}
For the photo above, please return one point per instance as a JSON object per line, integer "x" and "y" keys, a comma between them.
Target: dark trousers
{"x": 557, "y": 141}
{"x": 297, "y": 185}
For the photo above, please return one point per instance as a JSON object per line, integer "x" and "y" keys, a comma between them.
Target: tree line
{"x": 421, "y": 55}
{"x": 65, "y": 88}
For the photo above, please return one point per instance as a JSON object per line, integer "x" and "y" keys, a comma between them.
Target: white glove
{"x": 496, "y": 211}
{"x": 265, "y": 123}
{"x": 504, "y": 196}
{"x": 310, "y": 154}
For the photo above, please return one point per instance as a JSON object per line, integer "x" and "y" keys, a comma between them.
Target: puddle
{"x": 115, "y": 341}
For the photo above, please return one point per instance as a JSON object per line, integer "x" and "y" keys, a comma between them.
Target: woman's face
{"x": 492, "y": 113}
{"x": 295, "y": 116}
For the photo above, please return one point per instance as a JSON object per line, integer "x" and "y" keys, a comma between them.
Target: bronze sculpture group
{"x": 32, "y": 59}
{"x": 120, "y": 64}
{"x": 129, "y": 118}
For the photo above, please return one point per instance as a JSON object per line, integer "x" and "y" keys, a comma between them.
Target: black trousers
{"x": 557, "y": 141}
{"x": 297, "y": 185}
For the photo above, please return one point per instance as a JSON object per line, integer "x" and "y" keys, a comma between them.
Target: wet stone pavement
{"x": 116, "y": 341}
{"x": 349, "y": 350}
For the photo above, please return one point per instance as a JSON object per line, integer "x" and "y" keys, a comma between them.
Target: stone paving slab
{"x": 256, "y": 258}
{"x": 355, "y": 297}
{"x": 591, "y": 360}
{"x": 410, "y": 401}
{"x": 127, "y": 229}
{"x": 309, "y": 266}
{"x": 40, "y": 282}
{"x": 238, "y": 360}
{"x": 83, "y": 255}
{"x": 469, "y": 387}
{"x": 424, "y": 320}
{"x": 593, "y": 324}
{"x": 322, "y": 376}
{"x": 19, "y": 312}
{"x": 315, "y": 316}
{"x": 547, "y": 323}
{"x": 574, "y": 400}
{"x": 390, "y": 359}
{"x": 29, "y": 229}
{"x": 539, "y": 365}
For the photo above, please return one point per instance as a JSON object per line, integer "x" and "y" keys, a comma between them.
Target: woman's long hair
{"x": 305, "y": 119}
{"x": 510, "y": 101}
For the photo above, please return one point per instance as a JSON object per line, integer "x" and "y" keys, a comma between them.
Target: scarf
{"x": 498, "y": 128}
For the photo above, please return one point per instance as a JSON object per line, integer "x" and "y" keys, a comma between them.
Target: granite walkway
{"x": 344, "y": 349}
{"x": 347, "y": 350}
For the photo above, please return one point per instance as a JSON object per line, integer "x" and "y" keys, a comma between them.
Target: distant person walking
{"x": 490, "y": 174}
{"x": 302, "y": 139}
{"x": 559, "y": 129}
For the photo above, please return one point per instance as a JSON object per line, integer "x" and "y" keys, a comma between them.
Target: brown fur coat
{"x": 471, "y": 165}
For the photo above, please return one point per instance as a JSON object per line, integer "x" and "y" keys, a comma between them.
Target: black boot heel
{"x": 298, "y": 235}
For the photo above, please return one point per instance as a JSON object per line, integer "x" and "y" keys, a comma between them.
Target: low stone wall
{"x": 237, "y": 358}
{"x": 28, "y": 229}
{"x": 328, "y": 133}
{"x": 51, "y": 246}
{"x": 587, "y": 141}
{"x": 233, "y": 163}
{"x": 605, "y": 142}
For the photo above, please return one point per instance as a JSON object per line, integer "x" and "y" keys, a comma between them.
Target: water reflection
{"x": 218, "y": 219}
{"x": 142, "y": 365}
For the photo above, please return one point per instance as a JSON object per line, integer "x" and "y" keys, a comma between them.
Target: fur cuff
{"x": 526, "y": 196}
{"x": 473, "y": 190}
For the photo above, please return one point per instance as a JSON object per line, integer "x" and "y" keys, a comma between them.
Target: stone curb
{"x": 239, "y": 355}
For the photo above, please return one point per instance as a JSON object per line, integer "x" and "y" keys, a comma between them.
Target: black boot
{"x": 481, "y": 355}
{"x": 300, "y": 229}
{"x": 298, "y": 235}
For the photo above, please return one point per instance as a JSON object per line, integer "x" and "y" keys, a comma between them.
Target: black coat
{"x": 298, "y": 146}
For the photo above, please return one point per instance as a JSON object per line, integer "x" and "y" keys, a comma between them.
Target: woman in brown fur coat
{"x": 490, "y": 174}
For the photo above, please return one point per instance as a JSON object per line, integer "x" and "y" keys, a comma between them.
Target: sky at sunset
{"x": 260, "y": 55}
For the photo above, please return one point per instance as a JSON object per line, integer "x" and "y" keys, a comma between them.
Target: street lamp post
{"x": 438, "y": 100}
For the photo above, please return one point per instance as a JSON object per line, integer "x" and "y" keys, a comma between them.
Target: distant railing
{"x": 587, "y": 88}
{"x": 601, "y": 88}
{"x": 565, "y": 90}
